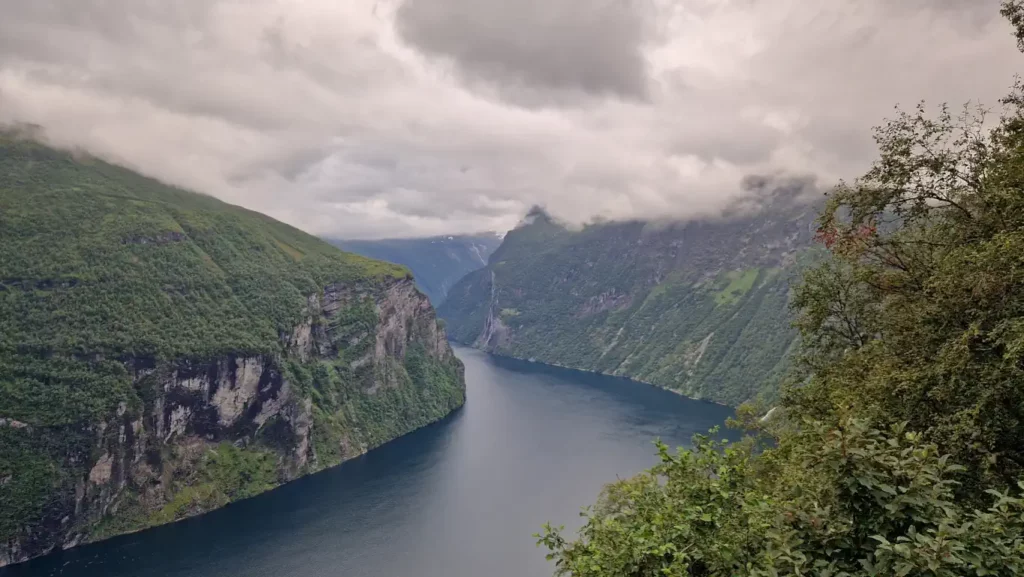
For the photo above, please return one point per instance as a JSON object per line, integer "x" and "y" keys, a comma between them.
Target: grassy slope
{"x": 99, "y": 260}
{"x": 99, "y": 264}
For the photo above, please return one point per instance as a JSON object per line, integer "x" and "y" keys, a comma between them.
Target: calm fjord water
{"x": 460, "y": 498}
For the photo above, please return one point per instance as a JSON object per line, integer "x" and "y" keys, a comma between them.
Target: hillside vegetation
{"x": 141, "y": 323}
{"x": 98, "y": 259}
{"x": 898, "y": 448}
{"x": 700, "y": 308}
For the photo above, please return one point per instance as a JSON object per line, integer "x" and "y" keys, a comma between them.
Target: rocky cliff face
{"x": 163, "y": 353}
{"x": 697, "y": 307}
{"x": 175, "y": 454}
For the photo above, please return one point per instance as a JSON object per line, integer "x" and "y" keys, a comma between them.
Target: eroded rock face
{"x": 406, "y": 316}
{"x": 218, "y": 400}
{"x": 232, "y": 398}
{"x": 191, "y": 406}
{"x": 101, "y": 471}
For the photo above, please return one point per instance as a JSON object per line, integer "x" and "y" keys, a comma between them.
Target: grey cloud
{"x": 784, "y": 188}
{"x": 755, "y": 147}
{"x": 588, "y": 46}
{"x": 370, "y": 118}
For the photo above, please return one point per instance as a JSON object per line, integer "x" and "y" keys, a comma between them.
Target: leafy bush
{"x": 845, "y": 500}
{"x": 897, "y": 449}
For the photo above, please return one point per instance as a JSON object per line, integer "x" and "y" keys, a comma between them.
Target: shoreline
{"x": 593, "y": 372}
{"x": 86, "y": 541}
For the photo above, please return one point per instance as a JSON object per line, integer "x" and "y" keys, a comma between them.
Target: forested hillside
{"x": 699, "y": 307}
{"x": 163, "y": 353}
{"x": 437, "y": 262}
{"x": 898, "y": 448}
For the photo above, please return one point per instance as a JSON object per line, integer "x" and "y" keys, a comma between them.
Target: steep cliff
{"x": 163, "y": 353}
{"x": 701, "y": 307}
{"x": 437, "y": 262}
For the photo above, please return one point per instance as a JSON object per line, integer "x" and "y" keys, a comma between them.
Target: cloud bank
{"x": 386, "y": 118}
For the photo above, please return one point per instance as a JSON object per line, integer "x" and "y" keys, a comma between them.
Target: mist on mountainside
{"x": 437, "y": 263}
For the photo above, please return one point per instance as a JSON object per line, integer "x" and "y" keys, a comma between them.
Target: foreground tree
{"x": 899, "y": 447}
{"x": 919, "y": 315}
{"x": 836, "y": 500}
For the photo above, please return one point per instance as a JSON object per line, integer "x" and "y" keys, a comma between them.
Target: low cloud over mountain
{"x": 379, "y": 118}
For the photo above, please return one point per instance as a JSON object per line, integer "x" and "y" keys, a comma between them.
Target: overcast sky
{"x": 363, "y": 118}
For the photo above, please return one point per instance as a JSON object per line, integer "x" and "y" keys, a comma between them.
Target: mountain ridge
{"x": 165, "y": 353}
{"x": 685, "y": 306}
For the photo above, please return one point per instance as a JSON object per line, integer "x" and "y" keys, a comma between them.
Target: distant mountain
{"x": 700, "y": 308}
{"x": 436, "y": 262}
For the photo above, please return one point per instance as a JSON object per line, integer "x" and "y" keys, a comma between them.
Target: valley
{"x": 460, "y": 497}
{"x": 437, "y": 263}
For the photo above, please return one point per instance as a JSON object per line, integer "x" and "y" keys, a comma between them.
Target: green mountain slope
{"x": 163, "y": 353}
{"x": 700, "y": 308}
{"x": 437, "y": 262}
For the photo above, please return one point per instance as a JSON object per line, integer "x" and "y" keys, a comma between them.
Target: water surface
{"x": 460, "y": 498}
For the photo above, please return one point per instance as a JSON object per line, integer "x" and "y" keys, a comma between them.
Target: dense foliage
{"x": 700, "y": 308}
{"x": 103, "y": 270}
{"x": 834, "y": 500}
{"x": 898, "y": 447}
{"x": 437, "y": 262}
{"x": 349, "y": 421}
{"x": 98, "y": 259}
{"x": 919, "y": 317}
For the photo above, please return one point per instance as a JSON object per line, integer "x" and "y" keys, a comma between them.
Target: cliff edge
{"x": 163, "y": 353}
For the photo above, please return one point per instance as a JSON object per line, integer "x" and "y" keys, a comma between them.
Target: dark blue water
{"x": 457, "y": 499}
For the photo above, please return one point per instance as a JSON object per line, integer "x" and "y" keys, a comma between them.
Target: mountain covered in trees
{"x": 163, "y": 353}
{"x": 436, "y": 262}
{"x": 898, "y": 445}
{"x": 700, "y": 307}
